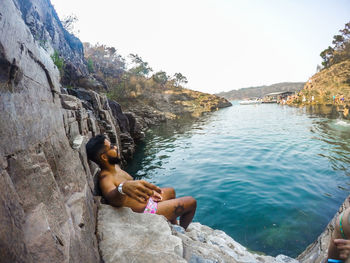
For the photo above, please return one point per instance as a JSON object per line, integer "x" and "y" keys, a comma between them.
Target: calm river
{"x": 270, "y": 176}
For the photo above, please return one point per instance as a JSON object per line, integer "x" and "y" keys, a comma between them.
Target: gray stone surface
{"x": 47, "y": 210}
{"x": 125, "y": 236}
{"x": 203, "y": 244}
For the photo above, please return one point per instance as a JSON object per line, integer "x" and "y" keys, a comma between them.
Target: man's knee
{"x": 172, "y": 192}
{"x": 191, "y": 202}
{"x": 169, "y": 193}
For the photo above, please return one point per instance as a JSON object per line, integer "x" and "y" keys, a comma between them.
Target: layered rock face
{"x": 47, "y": 208}
{"x": 47, "y": 31}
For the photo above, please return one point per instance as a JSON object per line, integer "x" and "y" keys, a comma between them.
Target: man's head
{"x": 101, "y": 151}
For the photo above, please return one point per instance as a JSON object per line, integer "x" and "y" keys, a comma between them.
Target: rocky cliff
{"x": 47, "y": 206}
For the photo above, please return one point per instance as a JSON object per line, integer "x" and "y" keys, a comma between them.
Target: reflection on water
{"x": 163, "y": 138}
{"x": 335, "y": 132}
{"x": 270, "y": 176}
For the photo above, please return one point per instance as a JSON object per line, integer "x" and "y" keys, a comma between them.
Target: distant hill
{"x": 261, "y": 91}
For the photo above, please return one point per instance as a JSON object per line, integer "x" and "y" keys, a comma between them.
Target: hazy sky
{"x": 219, "y": 45}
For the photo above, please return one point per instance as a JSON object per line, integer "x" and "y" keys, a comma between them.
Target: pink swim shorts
{"x": 151, "y": 207}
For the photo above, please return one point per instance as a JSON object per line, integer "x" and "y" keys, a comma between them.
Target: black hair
{"x": 94, "y": 147}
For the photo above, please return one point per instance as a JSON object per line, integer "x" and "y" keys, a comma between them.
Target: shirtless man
{"x": 339, "y": 245}
{"x": 119, "y": 188}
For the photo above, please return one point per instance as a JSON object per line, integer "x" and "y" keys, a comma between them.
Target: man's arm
{"x": 139, "y": 190}
{"x": 110, "y": 191}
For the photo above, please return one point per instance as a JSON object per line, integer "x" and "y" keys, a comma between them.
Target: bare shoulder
{"x": 124, "y": 175}
{"x": 105, "y": 176}
{"x": 106, "y": 182}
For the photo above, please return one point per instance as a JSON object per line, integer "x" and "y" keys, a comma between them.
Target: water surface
{"x": 270, "y": 176}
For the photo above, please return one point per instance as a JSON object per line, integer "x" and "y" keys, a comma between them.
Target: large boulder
{"x": 125, "y": 236}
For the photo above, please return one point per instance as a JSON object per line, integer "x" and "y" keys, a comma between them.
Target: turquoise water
{"x": 270, "y": 176}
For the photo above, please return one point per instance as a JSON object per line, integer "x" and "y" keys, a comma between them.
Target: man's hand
{"x": 343, "y": 247}
{"x": 156, "y": 197}
{"x": 140, "y": 190}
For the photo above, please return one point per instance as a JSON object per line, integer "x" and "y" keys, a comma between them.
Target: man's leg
{"x": 183, "y": 207}
{"x": 168, "y": 193}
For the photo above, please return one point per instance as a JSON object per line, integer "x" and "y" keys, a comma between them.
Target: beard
{"x": 113, "y": 160}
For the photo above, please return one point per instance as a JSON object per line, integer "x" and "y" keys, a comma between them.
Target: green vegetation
{"x": 128, "y": 81}
{"x": 90, "y": 65}
{"x": 133, "y": 83}
{"x": 140, "y": 68}
{"x": 58, "y": 61}
{"x": 180, "y": 79}
{"x": 161, "y": 77}
{"x": 340, "y": 50}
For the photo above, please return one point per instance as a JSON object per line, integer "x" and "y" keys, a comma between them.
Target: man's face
{"x": 111, "y": 153}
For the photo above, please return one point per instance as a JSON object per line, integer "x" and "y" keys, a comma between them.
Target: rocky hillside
{"x": 139, "y": 86}
{"x": 170, "y": 101}
{"x": 331, "y": 85}
{"x": 261, "y": 91}
{"x": 320, "y": 89}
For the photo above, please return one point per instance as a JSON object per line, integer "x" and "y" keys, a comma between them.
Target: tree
{"x": 341, "y": 49}
{"x": 327, "y": 55}
{"x": 338, "y": 41}
{"x": 346, "y": 31}
{"x": 161, "y": 77}
{"x": 179, "y": 79}
{"x": 104, "y": 59}
{"x": 140, "y": 67}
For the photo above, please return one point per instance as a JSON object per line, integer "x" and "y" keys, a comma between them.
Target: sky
{"x": 219, "y": 45}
